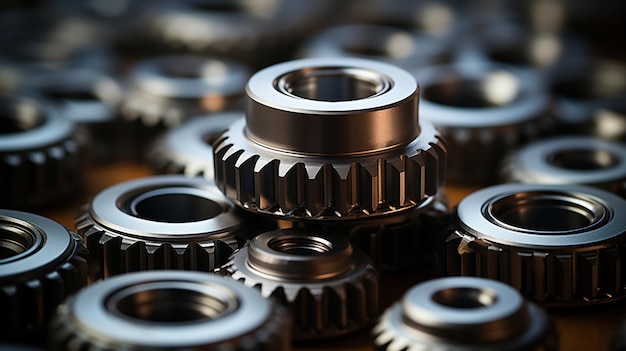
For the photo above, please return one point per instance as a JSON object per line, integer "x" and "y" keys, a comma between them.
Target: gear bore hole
{"x": 602, "y": 81}
{"x": 173, "y": 205}
{"x": 14, "y": 242}
{"x": 547, "y": 213}
{"x": 333, "y": 84}
{"x": 497, "y": 88}
{"x": 226, "y": 6}
{"x": 465, "y": 298}
{"x": 19, "y": 116}
{"x": 541, "y": 50}
{"x": 300, "y": 245}
{"x": 170, "y": 305}
{"x": 583, "y": 159}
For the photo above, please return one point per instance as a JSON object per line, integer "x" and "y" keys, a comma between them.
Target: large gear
{"x": 560, "y": 245}
{"x": 41, "y": 263}
{"x": 169, "y": 89}
{"x": 570, "y": 160}
{"x": 41, "y": 153}
{"x": 330, "y": 288}
{"x": 482, "y": 106}
{"x": 187, "y": 148}
{"x": 160, "y": 222}
{"x": 330, "y": 139}
{"x": 169, "y": 310}
{"x": 464, "y": 313}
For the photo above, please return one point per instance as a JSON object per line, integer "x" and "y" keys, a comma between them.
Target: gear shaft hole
{"x": 14, "y": 242}
{"x": 300, "y": 245}
{"x": 465, "y": 298}
{"x": 583, "y": 159}
{"x": 496, "y": 88}
{"x": 175, "y": 205}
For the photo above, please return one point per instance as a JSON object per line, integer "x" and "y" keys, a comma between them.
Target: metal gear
{"x": 187, "y": 148}
{"x": 560, "y": 245}
{"x": 41, "y": 153}
{"x": 41, "y": 263}
{"x": 330, "y": 288}
{"x": 482, "y": 106}
{"x": 464, "y": 313}
{"x": 160, "y": 222}
{"x": 169, "y": 310}
{"x": 330, "y": 139}
{"x": 570, "y": 160}
{"x": 164, "y": 91}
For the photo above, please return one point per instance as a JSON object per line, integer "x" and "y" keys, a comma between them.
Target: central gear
{"x": 330, "y": 139}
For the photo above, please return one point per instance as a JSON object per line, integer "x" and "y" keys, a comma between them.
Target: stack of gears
{"x": 305, "y": 203}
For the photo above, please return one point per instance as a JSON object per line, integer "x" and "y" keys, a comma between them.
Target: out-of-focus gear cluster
{"x": 302, "y": 154}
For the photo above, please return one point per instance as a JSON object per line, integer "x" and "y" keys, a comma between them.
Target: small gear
{"x": 169, "y": 310}
{"x": 330, "y": 288}
{"x": 187, "y": 148}
{"x": 560, "y": 245}
{"x": 160, "y": 222}
{"x": 41, "y": 263}
{"x": 41, "y": 153}
{"x": 164, "y": 91}
{"x": 330, "y": 139}
{"x": 482, "y": 106}
{"x": 464, "y": 313}
{"x": 570, "y": 160}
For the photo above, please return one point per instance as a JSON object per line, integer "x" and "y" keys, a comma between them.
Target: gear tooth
{"x": 611, "y": 281}
{"x": 133, "y": 256}
{"x": 291, "y": 187}
{"x": 586, "y": 274}
{"x": 393, "y": 183}
{"x": 563, "y": 269}
{"x": 265, "y": 181}
{"x": 244, "y": 181}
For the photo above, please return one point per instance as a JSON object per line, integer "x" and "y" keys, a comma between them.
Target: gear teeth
{"x": 585, "y": 276}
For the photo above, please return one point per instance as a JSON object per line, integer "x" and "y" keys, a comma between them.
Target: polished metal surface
{"x": 160, "y": 222}
{"x": 169, "y": 310}
{"x": 560, "y": 245}
{"x": 41, "y": 153}
{"x": 464, "y": 313}
{"x": 41, "y": 263}
{"x": 482, "y": 110}
{"x": 330, "y": 288}
{"x": 570, "y": 160}
{"x": 167, "y": 90}
{"x": 330, "y": 139}
{"x": 187, "y": 148}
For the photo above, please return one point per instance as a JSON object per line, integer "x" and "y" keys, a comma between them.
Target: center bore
{"x": 172, "y": 205}
{"x": 465, "y": 298}
{"x": 583, "y": 159}
{"x": 14, "y": 241}
{"x": 497, "y": 88}
{"x": 300, "y": 245}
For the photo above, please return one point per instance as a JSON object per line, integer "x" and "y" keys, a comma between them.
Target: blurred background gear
{"x": 329, "y": 287}
{"x": 41, "y": 263}
{"x": 169, "y": 310}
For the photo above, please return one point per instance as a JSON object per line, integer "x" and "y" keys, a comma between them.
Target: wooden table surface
{"x": 590, "y": 329}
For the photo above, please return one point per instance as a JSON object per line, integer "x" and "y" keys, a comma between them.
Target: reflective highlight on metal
{"x": 560, "y": 245}
{"x": 41, "y": 263}
{"x": 166, "y": 310}
{"x": 570, "y": 160}
{"x": 330, "y": 139}
{"x": 462, "y": 313}
{"x": 41, "y": 153}
{"x": 330, "y": 288}
{"x": 160, "y": 222}
{"x": 187, "y": 148}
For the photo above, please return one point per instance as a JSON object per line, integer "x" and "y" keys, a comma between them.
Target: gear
{"x": 560, "y": 245}
{"x": 330, "y": 139}
{"x": 330, "y": 288}
{"x": 160, "y": 222}
{"x": 464, "y": 313}
{"x": 41, "y": 263}
{"x": 41, "y": 154}
{"x": 482, "y": 106}
{"x": 169, "y": 310}
{"x": 570, "y": 160}
{"x": 169, "y": 89}
{"x": 187, "y": 149}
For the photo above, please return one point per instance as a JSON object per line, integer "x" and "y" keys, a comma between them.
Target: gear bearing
{"x": 169, "y": 310}
{"x": 330, "y": 288}
{"x": 41, "y": 263}
{"x": 570, "y": 160}
{"x": 187, "y": 149}
{"x": 167, "y": 90}
{"x": 560, "y": 245}
{"x": 464, "y": 313}
{"x": 160, "y": 222}
{"x": 41, "y": 153}
{"x": 482, "y": 106}
{"x": 330, "y": 139}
